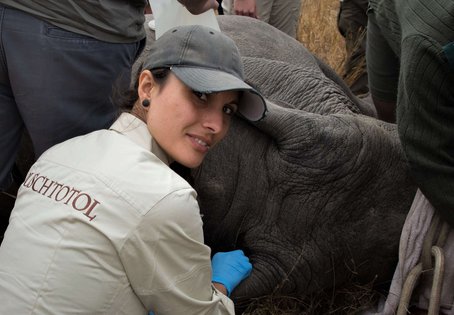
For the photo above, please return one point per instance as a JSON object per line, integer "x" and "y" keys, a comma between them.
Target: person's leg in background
{"x": 220, "y": 9}
{"x": 383, "y": 71}
{"x": 61, "y": 81}
{"x": 352, "y": 24}
{"x": 11, "y": 127}
{"x": 282, "y": 14}
{"x": 11, "y": 124}
{"x": 56, "y": 84}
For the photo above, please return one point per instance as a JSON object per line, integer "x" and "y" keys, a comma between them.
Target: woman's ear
{"x": 146, "y": 84}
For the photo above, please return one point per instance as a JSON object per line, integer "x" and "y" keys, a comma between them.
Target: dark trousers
{"x": 55, "y": 83}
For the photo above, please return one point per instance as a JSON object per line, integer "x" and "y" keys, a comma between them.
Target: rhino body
{"x": 318, "y": 190}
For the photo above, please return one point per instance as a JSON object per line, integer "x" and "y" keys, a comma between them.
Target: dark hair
{"x": 125, "y": 99}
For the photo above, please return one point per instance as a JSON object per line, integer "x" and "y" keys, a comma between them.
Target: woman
{"x": 102, "y": 225}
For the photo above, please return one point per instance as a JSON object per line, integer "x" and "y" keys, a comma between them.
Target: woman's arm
{"x": 167, "y": 263}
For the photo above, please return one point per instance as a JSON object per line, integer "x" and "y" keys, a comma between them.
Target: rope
{"x": 435, "y": 294}
{"x": 407, "y": 289}
{"x": 429, "y": 240}
{"x": 438, "y": 231}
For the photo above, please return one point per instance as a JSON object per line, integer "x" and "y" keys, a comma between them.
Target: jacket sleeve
{"x": 426, "y": 120}
{"x": 167, "y": 263}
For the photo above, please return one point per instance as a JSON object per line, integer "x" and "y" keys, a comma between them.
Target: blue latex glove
{"x": 230, "y": 268}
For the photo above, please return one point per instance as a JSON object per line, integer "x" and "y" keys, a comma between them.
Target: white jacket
{"x": 102, "y": 225}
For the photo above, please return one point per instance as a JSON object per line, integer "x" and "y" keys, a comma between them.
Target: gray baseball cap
{"x": 206, "y": 61}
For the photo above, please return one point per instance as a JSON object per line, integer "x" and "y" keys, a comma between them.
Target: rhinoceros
{"x": 315, "y": 191}
{"x": 318, "y": 189}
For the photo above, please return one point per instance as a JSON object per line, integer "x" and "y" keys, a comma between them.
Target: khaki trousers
{"x": 282, "y": 14}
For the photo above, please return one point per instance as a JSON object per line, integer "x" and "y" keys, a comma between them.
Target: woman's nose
{"x": 214, "y": 120}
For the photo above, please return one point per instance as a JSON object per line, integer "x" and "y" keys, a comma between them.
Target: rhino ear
{"x": 289, "y": 127}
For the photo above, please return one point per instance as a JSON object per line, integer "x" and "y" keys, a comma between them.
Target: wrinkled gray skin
{"x": 315, "y": 191}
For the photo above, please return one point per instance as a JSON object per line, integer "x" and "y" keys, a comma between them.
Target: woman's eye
{"x": 200, "y": 95}
{"x": 229, "y": 110}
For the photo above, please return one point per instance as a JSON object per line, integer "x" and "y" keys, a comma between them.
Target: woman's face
{"x": 185, "y": 123}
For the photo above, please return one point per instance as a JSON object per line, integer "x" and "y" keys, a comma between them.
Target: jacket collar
{"x": 137, "y": 131}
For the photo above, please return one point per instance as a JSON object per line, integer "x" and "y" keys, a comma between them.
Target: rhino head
{"x": 317, "y": 190}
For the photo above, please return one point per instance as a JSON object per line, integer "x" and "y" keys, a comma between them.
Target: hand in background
{"x": 245, "y": 8}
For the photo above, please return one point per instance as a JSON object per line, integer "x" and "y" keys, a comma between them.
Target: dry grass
{"x": 352, "y": 298}
{"x": 318, "y": 31}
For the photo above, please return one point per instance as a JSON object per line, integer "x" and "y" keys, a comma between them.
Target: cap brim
{"x": 251, "y": 106}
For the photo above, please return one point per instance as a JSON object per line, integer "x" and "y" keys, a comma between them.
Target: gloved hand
{"x": 230, "y": 268}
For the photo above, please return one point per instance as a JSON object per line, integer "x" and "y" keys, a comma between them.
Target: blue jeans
{"x": 55, "y": 83}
